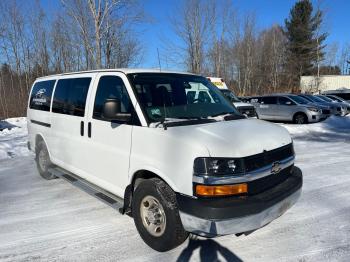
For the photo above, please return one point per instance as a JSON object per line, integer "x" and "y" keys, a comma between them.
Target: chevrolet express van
{"x": 138, "y": 141}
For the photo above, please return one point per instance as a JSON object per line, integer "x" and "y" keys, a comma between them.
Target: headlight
{"x": 217, "y": 166}
{"x": 313, "y": 109}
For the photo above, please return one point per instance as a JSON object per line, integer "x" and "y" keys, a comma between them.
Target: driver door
{"x": 285, "y": 106}
{"x": 109, "y": 143}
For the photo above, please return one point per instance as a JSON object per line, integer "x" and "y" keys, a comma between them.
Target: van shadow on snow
{"x": 209, "y": 250}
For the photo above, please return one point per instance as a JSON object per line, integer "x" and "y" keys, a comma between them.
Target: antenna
{"x": 160, "y": 66}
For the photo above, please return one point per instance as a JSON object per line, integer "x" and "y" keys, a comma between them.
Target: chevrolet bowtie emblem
{"x": 276, "y": 168}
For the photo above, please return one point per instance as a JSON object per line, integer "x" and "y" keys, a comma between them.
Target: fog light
{"x": 226, "y": 190}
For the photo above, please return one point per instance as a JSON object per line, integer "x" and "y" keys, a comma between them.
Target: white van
{"x": 244, "y": 108}
{"x": 137, "y": 140}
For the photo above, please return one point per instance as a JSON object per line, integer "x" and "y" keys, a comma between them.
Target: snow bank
{"x": 13, "y": 138}
{"x": 333, "y": 124}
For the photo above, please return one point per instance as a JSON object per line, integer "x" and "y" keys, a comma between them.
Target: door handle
{"x": 82, "y": 128}
{"x": 89, "y": 129}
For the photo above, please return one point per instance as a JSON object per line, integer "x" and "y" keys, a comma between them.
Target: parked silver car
{"x": 288, "y": 107}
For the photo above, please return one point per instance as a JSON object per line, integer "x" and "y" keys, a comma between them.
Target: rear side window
{"x": 111, "y": 87}
{"x": 70, "y": 96}
{"x": 40, "y": 98}
{"x": 269, "y": 100}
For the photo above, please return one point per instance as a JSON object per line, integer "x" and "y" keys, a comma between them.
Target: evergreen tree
{"x": 305, "y": 40}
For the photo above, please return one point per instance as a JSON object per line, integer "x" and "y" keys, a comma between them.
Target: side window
{"x": 40, "y": 98}
{"x": 269, "y": 100}
{"x": 285, "y": 101}
{"x": 70, "y": 96}
{"x": 111, "y": 87}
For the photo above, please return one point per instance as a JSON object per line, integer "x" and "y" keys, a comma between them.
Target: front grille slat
{"x": 265, "y": 183}
{"x": 267, "y": 158}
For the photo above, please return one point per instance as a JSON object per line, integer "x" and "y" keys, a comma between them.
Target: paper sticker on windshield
{"x": 156, "y": 112}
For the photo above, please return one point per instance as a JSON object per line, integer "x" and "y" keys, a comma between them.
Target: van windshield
{"x": 164, "y": 96}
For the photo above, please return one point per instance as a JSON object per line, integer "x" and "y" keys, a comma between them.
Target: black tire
{"x": 173, "y": 233}
{"x": 43, "y": 162}
{"x": 300, "y": 118}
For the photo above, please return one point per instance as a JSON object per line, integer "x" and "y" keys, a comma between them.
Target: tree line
{"x": 216, "y": 40}
{"x": 213, "y": 39}
{"x": 81, "y": 35}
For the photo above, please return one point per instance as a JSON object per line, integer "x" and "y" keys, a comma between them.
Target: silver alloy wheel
{"x": 300, "y": 119}
{"x": 153, "y": 216}
{"x": 43, "y": 161}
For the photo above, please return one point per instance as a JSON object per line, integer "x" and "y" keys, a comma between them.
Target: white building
{"x": 313, "y": 84}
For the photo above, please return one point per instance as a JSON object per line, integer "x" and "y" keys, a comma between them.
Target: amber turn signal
{"x": 226, "y": 190}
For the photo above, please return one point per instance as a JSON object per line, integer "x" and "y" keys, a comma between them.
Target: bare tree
{"x": 344, "y": 59}
{"x": 103, "y": 27}
{"x": 192, "y": 25}
{"x": 271, "y": 48}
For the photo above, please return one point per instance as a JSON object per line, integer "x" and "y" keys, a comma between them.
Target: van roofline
{"x": 120, "y": 70}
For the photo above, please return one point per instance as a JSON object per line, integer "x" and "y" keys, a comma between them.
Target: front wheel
{"x": 156, "y": 215}
{"x": 300, "y": 119}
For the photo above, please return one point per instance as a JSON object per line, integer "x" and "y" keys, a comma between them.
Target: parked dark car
{"x": 336, "y": 109}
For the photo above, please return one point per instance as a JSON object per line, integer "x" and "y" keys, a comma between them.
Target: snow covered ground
{"x": 54, "y": 221}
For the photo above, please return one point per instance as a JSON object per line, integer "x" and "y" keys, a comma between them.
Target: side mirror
{"x": 112, "y": 111}
{"x": 288, "y": 103}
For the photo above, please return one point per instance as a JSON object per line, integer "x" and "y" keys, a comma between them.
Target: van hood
{"x": 237, "y": 138}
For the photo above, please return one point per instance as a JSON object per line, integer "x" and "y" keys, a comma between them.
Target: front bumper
{"x": 232, "y": 215}
{"x": 317, "y": 117}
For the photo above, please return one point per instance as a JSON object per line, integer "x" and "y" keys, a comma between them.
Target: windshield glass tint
{"x": 299, "y": 100}
{"x": 337, "y": 98}
{"x": 164, "y": 95}
{"x": 317, "y": 99}
{"x": 230, "y": 95}
{"x": 324, "y": 98}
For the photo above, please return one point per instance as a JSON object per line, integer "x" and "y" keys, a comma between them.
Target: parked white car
{"x": 140, "y": 142}
{"x": 244, "y": 108}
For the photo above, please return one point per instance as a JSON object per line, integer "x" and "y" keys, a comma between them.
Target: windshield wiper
{"x": 223, "y": 113}
{"x": 168, "y": 122}
{"x": 229, "y": 116}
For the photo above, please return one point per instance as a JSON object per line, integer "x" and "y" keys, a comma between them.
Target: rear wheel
{"x": 43, "y": 162}
{"x": 300, "y": 118}
{"x": 156, "y": 215}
